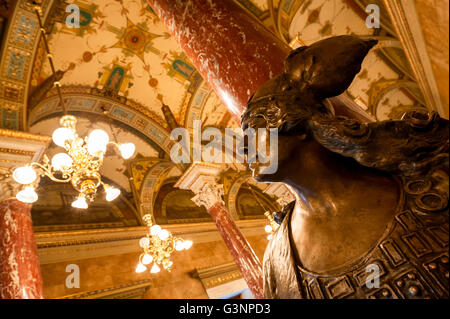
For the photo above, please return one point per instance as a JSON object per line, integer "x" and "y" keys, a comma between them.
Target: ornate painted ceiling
{"x": 122, "y": 50}
{"x": 123, "y": 63}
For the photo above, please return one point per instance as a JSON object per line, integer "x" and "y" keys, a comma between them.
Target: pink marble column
{"x": 210, "y": 196}
{"x": 232, "y": 50}
{"x": 20, "y": 274}
{"x": 243, "y": 254}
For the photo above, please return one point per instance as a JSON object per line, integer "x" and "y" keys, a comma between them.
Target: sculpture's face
{"x": 287, "y": 147}
{"x": 281, "y": 155}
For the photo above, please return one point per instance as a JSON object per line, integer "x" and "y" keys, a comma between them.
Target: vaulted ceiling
{"x": 121, "y": 66}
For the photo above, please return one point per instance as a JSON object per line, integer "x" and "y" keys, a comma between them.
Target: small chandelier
{"x": 272, "y": 227}
{"x": 158, "y": 246}
{"x": 84, "y": 158}
{"x": 80, "y": 165}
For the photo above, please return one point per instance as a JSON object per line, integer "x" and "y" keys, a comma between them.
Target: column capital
{"x": 209, "y": 195}
{"x": 18, "y": 149}
{"x": 8, "y": 187}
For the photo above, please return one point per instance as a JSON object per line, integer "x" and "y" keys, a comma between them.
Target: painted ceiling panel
{"x": 318, "y": 19}
{"x": 123, "y": 47}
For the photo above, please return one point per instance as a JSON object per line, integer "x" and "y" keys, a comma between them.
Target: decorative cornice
{"x": 16, "y": 152}
{"x": 216, "y": 275}
{"x": 134, "y": 290}
{"x": 25, "y": 136}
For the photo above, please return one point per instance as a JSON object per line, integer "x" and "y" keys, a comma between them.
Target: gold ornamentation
{"x": 25, "y": 136}
{"x": 80, "y": 166}
{"x": 17, "y": 152}
{"x": 158, "y": 245}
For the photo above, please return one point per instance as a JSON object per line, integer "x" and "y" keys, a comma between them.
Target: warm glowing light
{"x": 144, "y": 242}
{"x": 268, "y": 229}
{"x": 80, "y": 203}
{"x": 27, "y": 195}
{"x": 269, "y": 237}
{"x": 179, "y": 246}
{"x": 140, "y": 268}
{"x": 154, "y": 230}
{"x": 187, "y": 244}
{"x": 62, "y": 135}
{"x": 155, "y": 269}
{"x": 147, "y": 259}
{"x": 61, "y": 161}
{"x": 111, "y": 193}
{"x": 127, "y": 150}
{"x": 158, "y": 246}
{"x": 163, "y": 234}
{"x": 97, "y": 142}
{"x": 24, "y": 175}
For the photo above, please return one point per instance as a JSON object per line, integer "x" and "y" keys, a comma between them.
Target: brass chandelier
{"x": 80, "y": 165}
{"x": 272, "y": 227}
{"x": 158, "y": 246}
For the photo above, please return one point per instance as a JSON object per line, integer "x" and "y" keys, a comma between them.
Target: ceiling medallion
{"x": 135, "y": 40}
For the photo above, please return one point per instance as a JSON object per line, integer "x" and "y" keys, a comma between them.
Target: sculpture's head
{"x": 295, "y": 104}
{"x": 292, "y": 100}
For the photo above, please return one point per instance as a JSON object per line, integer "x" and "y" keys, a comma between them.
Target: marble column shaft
{"x": 20, "y": 274}
{"x": 210, "y": 196}
{"x": 233, "y": 51}
{"x": 243, "y": 254}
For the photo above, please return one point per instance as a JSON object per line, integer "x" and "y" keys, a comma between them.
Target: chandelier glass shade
{"x": 80, "y": 165}
{"x": 158, "y": 246}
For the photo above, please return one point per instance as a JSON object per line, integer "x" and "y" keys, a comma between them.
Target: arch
{"x": 233, "y": 192}
{"x": 20, "y": 46}
{"x": 133, "y": 116}
{"x": 389, "y": 86}
{"x": 151, "y": 184}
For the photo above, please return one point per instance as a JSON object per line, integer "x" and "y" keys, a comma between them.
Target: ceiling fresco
{"x": 120, "y": 48}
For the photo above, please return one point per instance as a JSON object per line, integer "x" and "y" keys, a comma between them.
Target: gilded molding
{"x": 134, "y": 290}
{"x": 25, "y": 135}
{"x": 216, "y": 275}
{"x": 16, "y": 152}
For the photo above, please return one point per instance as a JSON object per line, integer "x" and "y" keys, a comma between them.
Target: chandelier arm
{"x": 47, "y": 172}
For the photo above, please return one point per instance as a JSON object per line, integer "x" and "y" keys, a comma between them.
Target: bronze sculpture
{"x": 369, "y": 196}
